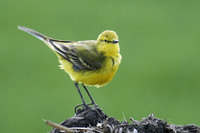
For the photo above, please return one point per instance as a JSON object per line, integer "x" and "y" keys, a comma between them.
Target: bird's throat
{"x": 110, "y": 50}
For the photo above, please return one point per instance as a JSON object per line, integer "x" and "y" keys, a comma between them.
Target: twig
{"x": 58, "y": 126}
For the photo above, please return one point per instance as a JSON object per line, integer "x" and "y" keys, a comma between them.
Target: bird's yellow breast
{"x": 94, "y": 77}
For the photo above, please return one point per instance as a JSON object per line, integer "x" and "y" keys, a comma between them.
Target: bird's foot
{"x": 86, "y": 106}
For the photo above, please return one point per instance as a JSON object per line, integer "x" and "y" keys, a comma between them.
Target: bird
{"x": 89, "y": 62}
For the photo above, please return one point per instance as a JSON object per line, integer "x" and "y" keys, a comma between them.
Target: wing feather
{"x": 81, "y": 55}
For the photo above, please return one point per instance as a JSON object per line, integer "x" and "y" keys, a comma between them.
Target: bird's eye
{"x": 105, "y": 40}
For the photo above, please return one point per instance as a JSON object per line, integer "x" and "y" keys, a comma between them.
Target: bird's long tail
{"x": 55, "y": 45}
{"x": 34, "y": 33}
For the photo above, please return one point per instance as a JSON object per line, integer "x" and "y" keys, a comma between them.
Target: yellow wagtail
{"x": 90, "y": 62}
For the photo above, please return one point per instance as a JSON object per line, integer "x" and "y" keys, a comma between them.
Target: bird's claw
{"x": 86, "y": 106}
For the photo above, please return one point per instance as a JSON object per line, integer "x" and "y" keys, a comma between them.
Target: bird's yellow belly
{"x": 94, "y": 77}
{"x": 97, "y": 78}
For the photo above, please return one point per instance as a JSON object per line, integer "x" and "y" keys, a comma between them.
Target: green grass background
{"x": 159, "y": 73}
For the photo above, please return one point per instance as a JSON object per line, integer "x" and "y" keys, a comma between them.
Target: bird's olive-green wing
{"x": 82, "y": 55}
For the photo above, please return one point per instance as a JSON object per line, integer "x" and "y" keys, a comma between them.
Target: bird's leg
{"x": 93, "y": 103}
{"x": 84, "y": 103}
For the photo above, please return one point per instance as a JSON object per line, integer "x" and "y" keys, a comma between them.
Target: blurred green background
{"x": 160, "y": 70}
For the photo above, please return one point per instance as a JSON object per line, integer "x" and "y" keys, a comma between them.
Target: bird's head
{"x": 108, "y": 36}
{"x": 107, "y": 43}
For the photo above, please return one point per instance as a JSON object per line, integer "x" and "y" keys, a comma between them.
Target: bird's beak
{"x": 115, "y": 41}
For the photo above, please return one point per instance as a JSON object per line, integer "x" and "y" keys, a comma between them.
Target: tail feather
{"x": 34, "y": 33}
